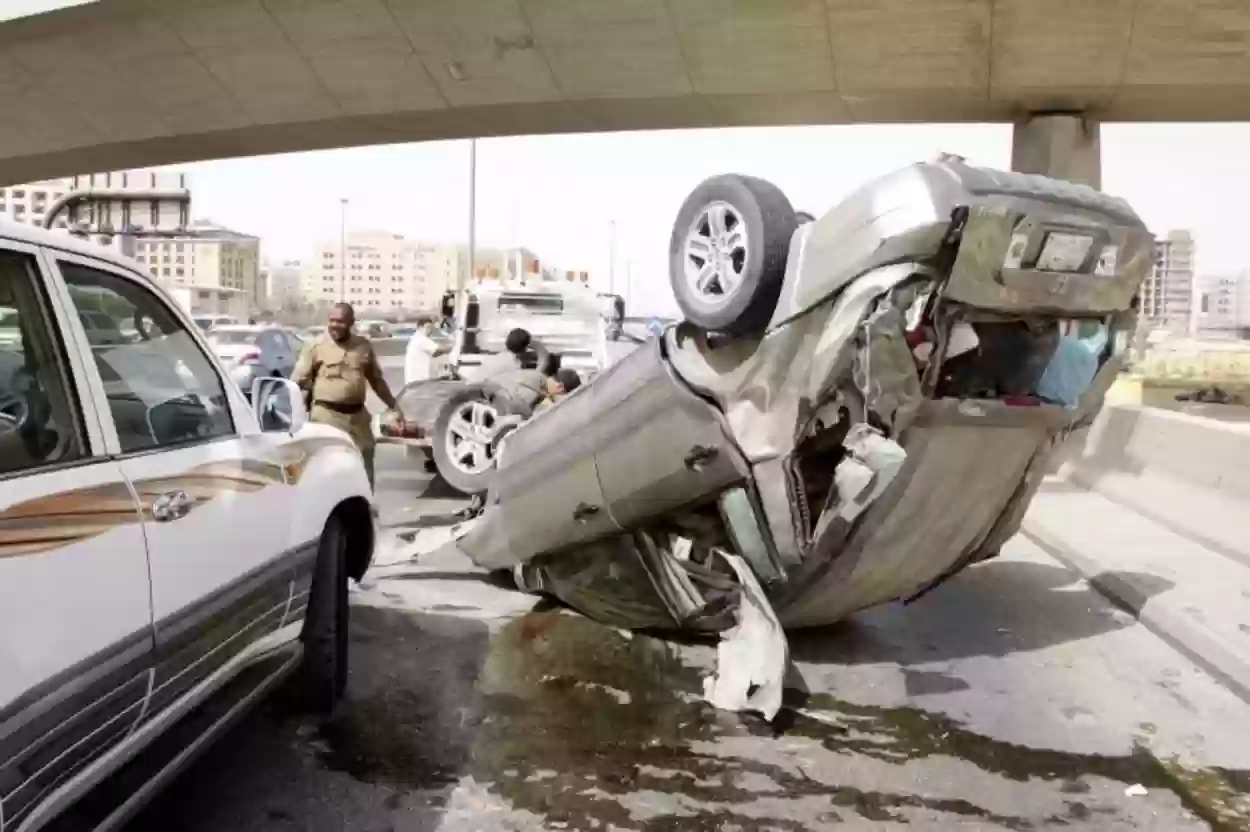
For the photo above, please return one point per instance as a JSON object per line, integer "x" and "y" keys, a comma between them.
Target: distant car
{"x": 312, "y": 333}
{"x": 10, "y": 333}
{"x": 252, "y": 352}
{"x": 404, "y": 330}
{"x": 856, "y": 408}
{"x": 374, "y": 329}
{"x": 207, "y": 322}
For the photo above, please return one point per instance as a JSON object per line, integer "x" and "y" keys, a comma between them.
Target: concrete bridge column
{"x": 1062, "y": 145}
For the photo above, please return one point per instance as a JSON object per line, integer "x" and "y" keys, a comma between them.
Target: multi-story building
{"x": 221, "y": 265}
{"x": 211, "y": 257}
{"x": 377, "y": 271}
{"x": 1224, "y": 304}
{"x": 507, "y": 264}
{"x": 30, "y": 204}
{"x": 1167, "y": 297}
{"x": 281, "y": 282}
{"x": 383, "y": 272}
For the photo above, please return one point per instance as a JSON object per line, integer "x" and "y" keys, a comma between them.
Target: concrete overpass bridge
{"x": 120, "y": 83}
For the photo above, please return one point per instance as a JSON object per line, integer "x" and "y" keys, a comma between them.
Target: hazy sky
{"x": 558, "y": 195}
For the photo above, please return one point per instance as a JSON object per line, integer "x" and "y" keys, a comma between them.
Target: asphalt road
{"x": 1013, "y": 697}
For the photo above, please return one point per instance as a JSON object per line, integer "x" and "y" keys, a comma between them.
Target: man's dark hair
{"x": 569, "y": 378}
{"x": 346, "y": 308}
{"x": 517, "y": 342}
{"x": 553, "y": 364}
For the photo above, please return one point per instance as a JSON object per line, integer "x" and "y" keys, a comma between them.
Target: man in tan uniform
{"x": 336, "y": 372}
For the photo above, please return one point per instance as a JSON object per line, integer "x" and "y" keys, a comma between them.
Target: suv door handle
{"x": 170, "y": 506}
{"x": 584, "y": 512}
{"x": 699, "y": 456}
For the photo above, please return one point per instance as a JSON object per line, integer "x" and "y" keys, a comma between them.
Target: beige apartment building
{"x": 29, "y": 203}
{"x": 282, "y": 282}
{"x": 215, "y": 257}
{"x": 1167, "y": 296}
{"x": 381, "y": 272}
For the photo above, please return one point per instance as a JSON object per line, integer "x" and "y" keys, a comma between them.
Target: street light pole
{"x": 612, "y": 260}
{"x": 472, "y": 212}
{"x": 343, "y": 249}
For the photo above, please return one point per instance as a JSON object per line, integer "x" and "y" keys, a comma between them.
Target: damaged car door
{"x": 547, "y": 484}
{"x": 658, "y": 445}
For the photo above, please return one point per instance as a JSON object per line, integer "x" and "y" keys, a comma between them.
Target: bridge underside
{"x": 121, "y": 83}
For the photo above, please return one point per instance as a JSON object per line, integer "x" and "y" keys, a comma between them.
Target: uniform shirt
{"x": 340, "y": 374}
{"x": 497, "y": 364}
{"x": 524, "y": 387}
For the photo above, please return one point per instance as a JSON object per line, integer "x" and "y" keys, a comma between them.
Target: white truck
{"x": 567, "y": 317}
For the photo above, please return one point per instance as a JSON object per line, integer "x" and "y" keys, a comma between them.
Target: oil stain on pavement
{"x": 574, "y": 725}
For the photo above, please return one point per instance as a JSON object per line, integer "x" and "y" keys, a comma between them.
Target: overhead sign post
{"x": 135, "y": 213}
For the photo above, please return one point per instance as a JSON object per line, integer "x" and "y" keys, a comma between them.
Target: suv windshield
{"x": 535, "y": 304}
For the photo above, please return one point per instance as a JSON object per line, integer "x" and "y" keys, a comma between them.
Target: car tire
{"x": 323, "y": 673}
{"x": 727, "y": 253}
{"x": 468, "y": 479}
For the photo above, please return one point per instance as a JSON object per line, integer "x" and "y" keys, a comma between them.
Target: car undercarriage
{"x": 855, "y": 408}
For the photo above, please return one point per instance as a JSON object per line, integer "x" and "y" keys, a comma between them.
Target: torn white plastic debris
{"x": 425, "y": 542}
{"x": 753, "y": 655}
{"x": 871, "y": 464}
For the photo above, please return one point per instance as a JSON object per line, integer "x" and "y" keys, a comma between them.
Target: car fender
{"x": 327, "y": 471}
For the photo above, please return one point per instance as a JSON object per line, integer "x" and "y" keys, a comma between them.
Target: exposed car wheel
{"x": 463, "y": 440}
{"x": 727, "y": 254}
{"x": 323, "y": 674}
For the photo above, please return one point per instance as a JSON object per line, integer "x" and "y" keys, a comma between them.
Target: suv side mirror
{"x": 279, "y": 405}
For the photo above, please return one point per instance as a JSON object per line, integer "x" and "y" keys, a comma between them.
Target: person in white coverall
{"x": 419, "y": 357}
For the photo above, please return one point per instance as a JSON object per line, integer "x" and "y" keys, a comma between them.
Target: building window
{"x": 165, "y": 272}
{"x": 179, "y": 272}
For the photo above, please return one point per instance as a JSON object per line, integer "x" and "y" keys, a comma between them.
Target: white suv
{"x": 166, "y": 556}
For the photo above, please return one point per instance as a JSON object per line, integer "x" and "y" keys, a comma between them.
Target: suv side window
{"x": 39, "y": 413}
{"x": 161, "y": 388}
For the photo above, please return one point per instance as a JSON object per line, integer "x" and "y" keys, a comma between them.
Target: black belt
{"x": 348, "y": 409}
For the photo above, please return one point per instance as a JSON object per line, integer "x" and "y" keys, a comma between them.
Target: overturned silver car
{"x": 857, "y": 407}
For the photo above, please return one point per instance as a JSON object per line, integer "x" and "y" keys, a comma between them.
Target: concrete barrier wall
{"x": 1188, "y": 473}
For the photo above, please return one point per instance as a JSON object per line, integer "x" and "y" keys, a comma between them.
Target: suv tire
{"x": 727, "y": 253}
{"x": 469, "y": 479}
{"x": 323, "y": 673}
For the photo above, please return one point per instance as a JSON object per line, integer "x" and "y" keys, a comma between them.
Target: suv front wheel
{"x": 323, "y": 674}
